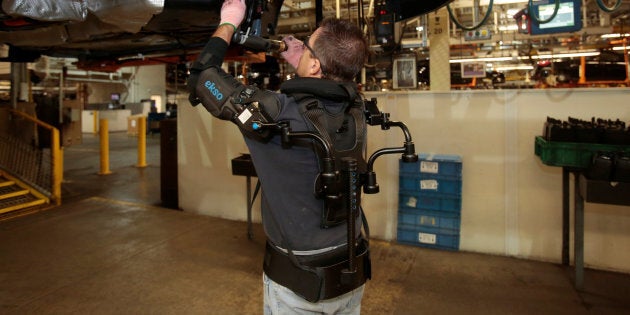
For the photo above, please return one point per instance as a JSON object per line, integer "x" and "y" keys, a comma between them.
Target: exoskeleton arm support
{"x": 375, "y": 117}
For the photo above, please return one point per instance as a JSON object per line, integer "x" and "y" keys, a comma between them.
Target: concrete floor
{"x": 111, "y": 249}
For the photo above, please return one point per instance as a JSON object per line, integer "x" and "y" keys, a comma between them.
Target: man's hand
{"x": 294, "y": 50}
{"x": 233, "y": 12}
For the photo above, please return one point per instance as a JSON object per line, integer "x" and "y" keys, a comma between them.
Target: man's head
{"x": 336, "y": 50}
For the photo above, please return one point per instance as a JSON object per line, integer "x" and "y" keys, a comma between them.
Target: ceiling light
{"x": 480, "y": 59}
{"x": 616, "y": 35}
{"x": 515, "y": 67}
{"x": 622, "y": 48}
{"x": 544, "y": 56}
{"x": 564, "y": 55}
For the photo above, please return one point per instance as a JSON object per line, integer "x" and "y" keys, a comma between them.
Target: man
{"x": 307, "y": 254}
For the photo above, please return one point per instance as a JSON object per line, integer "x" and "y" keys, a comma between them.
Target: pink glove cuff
{"x": 230, "y": 24}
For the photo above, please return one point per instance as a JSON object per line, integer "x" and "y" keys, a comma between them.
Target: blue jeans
{"x": 280, "y": 300}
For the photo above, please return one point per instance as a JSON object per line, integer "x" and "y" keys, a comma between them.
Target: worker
{"x": 307, "y": 234}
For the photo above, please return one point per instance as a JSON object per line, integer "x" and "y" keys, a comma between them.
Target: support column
{"x": 19, "y": 83}
{"x": 439, "y": 51}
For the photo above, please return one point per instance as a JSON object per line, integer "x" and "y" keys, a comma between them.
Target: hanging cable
{"x": 605, "y": 8}
{"x": 530, "y": 9}
{"x": 470, "y": 28}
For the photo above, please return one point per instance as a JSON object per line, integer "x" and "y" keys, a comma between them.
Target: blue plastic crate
{"x": 430, "y": 183}
{"x": 406, "y": 167}
{"x": 411, "y": 218}
{"x": 440, "y": 164}
{"x": 429, "y": 237}
{"x": 430, "y": 201}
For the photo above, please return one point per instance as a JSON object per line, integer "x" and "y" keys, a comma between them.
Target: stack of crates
{"x": 430, "y": 202}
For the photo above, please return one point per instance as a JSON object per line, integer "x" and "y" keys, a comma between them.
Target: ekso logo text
{"x": 214, "y": 90}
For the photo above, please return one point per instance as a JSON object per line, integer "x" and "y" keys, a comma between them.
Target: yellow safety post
{"x": 61, "y": 156}
{"x": 104, "y": 138}
{"x": 142, "y": 142}
{"x": 57, "y": 166}
{"x": 95, "y": 121}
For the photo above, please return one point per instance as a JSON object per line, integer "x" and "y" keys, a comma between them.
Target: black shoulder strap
{"x": 345, "y": 131}
{"x": 322, "y": 88}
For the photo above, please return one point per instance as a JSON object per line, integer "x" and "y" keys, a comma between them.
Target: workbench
{"x": 575, "y": 158}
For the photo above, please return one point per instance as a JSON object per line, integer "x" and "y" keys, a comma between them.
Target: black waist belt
{"x": 318, "y": 277}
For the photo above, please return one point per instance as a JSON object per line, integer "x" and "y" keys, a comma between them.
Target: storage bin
{"x": 601, "y": 191}
{"x": 440, "y": 164}
{"x": 432, "y": 183}
{"x": 411, "y": 218}
{"x": 429, "y": 237}
{"x": 572, "y": 154}
{"x": 430, "y": 201}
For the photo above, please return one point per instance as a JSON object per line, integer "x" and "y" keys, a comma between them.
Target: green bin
{"x": 573, "y": 154}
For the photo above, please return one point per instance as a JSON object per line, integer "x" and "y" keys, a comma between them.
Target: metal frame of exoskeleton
{"x": 340, "y": 184}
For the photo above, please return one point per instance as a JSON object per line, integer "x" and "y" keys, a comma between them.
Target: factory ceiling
{"x": 106, "y": 32}
{"x": 109, "y": 34}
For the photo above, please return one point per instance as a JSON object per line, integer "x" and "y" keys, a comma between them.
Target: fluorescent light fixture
{"x": 480, "y": 59}
{"x": 616, "y": 35}
{"x": 564, "y": 55}
{"x": 545, "y": 56}
{"x": 515, "y": 67}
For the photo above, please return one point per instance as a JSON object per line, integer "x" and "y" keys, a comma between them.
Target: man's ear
{"x": 315, "y": 67}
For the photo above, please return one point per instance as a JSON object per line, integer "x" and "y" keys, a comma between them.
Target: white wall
{"x": 511, "y": 201}
{"x": 148, "y": 81}
{"x": 117, "y": 120}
